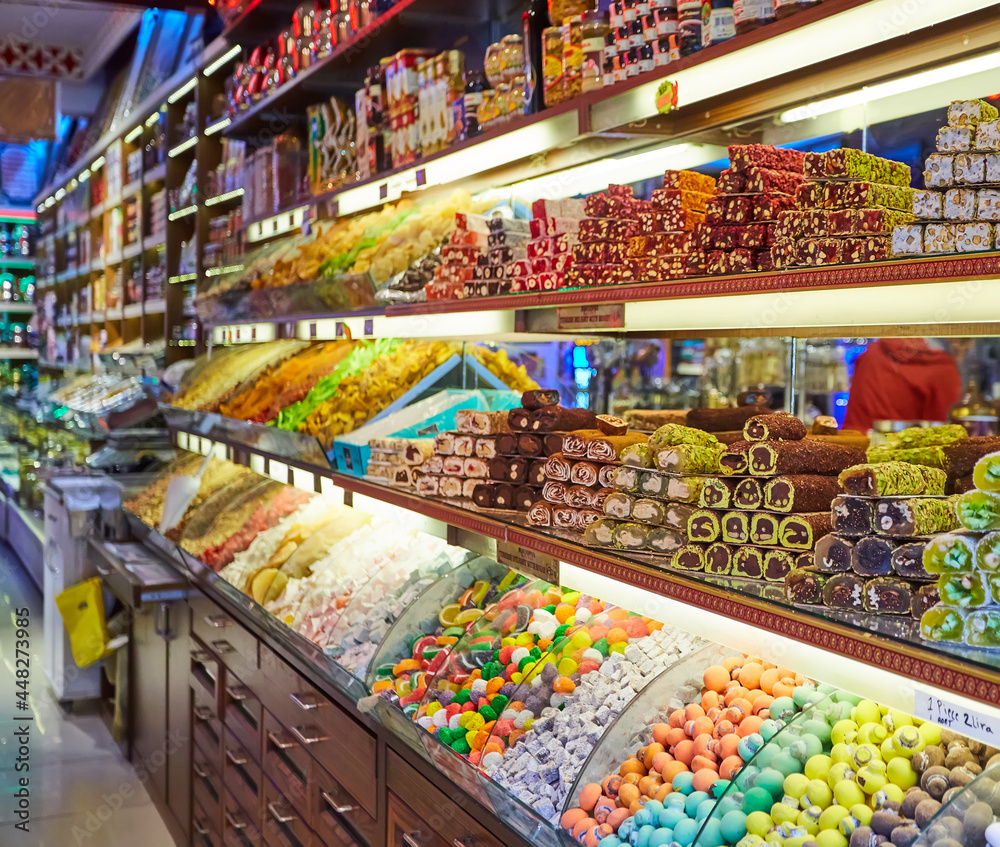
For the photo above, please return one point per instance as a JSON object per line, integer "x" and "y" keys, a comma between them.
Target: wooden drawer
{"x": 242, "y": 776}
{"x": 235, "y": 646}
{"x": 238, "y": 829}
{"x": 206, "y": 786}
{"x": 204, "y": 827}
{"x": 207, "y": 731}
{"x": 405, "y": 828}
{"x": 288, "y": 765}
{"x": 338, "y": 816}
{"x": 282, "y": 820}
{"x": 454, "y": 821}
{"x": 242, "y": 715}
{"x": 278, "y": 836}
{"x": 204, "y": 670}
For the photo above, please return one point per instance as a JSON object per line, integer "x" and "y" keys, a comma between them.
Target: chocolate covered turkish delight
{"x": 778, "y": 426}
{"x": 690, "y": 557}
{"x": 960, "y": 458}
{"x": 844, "y": 591}
{"x": 717, "y": 493}
{"x": 735, "y": 527}
{"x": 924, "y": 597}
{"x": 764, "y": 529}
{"x": 872, "y": 556}
{"x": 777, "y": 565}
{"x": 704, "y": 526}
{"x": 800, "y": 493}
{"x": 915, "y": 516}
{"x": 747, "y": 494}
{"x": 801, "y": 457}
{"x": 908, "y": 561}
{"x": 888, "y": 595}
{"x": 804, "y": 587}
{"x": 719, "y": 559}
{"x": 887, "y": 479}
{"x": 736, "y": 458}
{"x": 802, "y": 531}
{"x": 833, "y": 554}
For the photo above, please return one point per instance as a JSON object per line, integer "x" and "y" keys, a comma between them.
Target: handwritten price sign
{"x": 975, "y": 724}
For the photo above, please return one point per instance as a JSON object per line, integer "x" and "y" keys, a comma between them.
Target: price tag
{"x": 369, "y": 326}
{"x": 312, "y": 330}
{"x": 334, "y": 208}
{"x": 589, "y": 318}
{"x": 529, "y": 562}
{"x": 340, "y": 329}
{"x": 940, "y": 710}
{"x": 421, "y": 177}
{"x": 383, "y": 191}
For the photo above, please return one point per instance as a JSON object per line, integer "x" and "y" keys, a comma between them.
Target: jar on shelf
{"x": 516, "y": 98}
{"x": 501, "y": 103}
{"x": 491, "y": 64}
{"x": 572, "y": 31}
{"x": 511, "y": 57}
{"x": 552, "y": 67}
{"x": 361, "y": 14}
{"x": 595, "y": 28}
{"x": 752, "y": 14}
{"x": 486, "y": 112}
{"x": 690, "y": 26}
{"x": 561, "y": 9}
{"x": 666, "y": 20}
{"x": 722, "y": 24}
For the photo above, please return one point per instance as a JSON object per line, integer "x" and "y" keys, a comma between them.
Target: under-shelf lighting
{"x": 218, "y": 126}
{"x": 183, "y": 278}
{"x": 152, "y": 119}
{"x": 184, "y": 145}
{"x": 73, "y": 184}
{"x": 40, "y": 207}
{"x": 222, "y": 198}
{"x": 134, "y": 134}
{"x": 225, "y": 57}
{"x": 97, "y": 163}
{"x": 184, "y": 89}
{"x": 60, "y": 193}
{"x": 84, "y": 175}
{"x": 182, "y": 213}
{"x": 50, "y": 202}
{"x": 228, "y": 269}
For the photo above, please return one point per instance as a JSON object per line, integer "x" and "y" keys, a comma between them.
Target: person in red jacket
{"x": 901, "y": 379}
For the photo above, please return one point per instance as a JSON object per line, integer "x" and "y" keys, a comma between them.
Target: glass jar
{"x": 618, "y": 14}
{"x": 722, "y": 24}
{"x": 636, "y": 36}
{"x": 646, "y": 60}
{"x": 666, "y": 21}
{"x": 595, "y": 28}
{"x": 491, "y": 64}
{"x": 609, "y": 72}
{"x": 517, "y": 96}
{"x": 631, "y": 60}
{"x": 552, "y": 67}
{"x": 752, "y": 14}
{"x": 486, "y": 114}
{"x": 572, "y": 31}
{"x": 342, "y": 21}
{"x": 511, "y": 57}
{"x": 561, "y": 9}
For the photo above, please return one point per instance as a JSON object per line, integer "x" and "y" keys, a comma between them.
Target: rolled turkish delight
{"x": 433, "y": 465}
{"x": 777, "y": 565}
{"x": 748, "y": 562}
{"x": 764, "y": 529}
{"x": 908, "y": 561}
{"x": 599, "y": 495}
{"x": 982, "y": 629}
{"x": 736, "y": 458}
{"x": 844, "y": 591}
{"x": 735, "y": 527}
{"x": 601, "y": 533}
{"x": 888, "y": 595}
{"x": 970, "y": 168}
{"x": 538, "y": 398}
{"x": 931, "y": 436}
{"x": 979, "y": 510}
{"x": 480, "y": 423}
{"x": 653, "y": 484}
{"x": 555, "y": 492}
{"x": 955, "y": 139}
{"x": 540, "y": 514}
{"x": 804, "y": 587}
{"x": 717, "y": 493}
{"x": 939, "y": 171}
{"x": 971, "y": 112}
{"x": 482, "y": 495}
{"x": 519, "y": 420}
{"x": 872, "y": 556}
{"x": 801, "y": 457}
{"x": 557, "y": 468}
{"x": 924, "y": 597}
{"x": 988, "y": 553}
{"x": 583, "y": 473}
{"x": 718, "y": 559}
{"x": 678, "y": 515}
{"x": 564, "y": 517}
{"x": 560, "y": 419}
{"x": 931, "y": 457}
{"x": 486, "y": 448}
{"x": 585, "y": 517}
{"x": 650, "y": 511}
{"x": 943, "y": 623}
{"x": 579, "y": 496}
{"x": 529, "y": 446}
{"x": 607, "y": 448}
{"x": 688, "y": 459}
{"x": 961, "y": 457}
{"x": 967, "y": 590}
{"x": 801, "y": 532}
{"x": 690, "y": 557}
{"x": 444, "y": 444}
{"x": 503, "y": 496}
{"x": 912, "y": 517}
{"x": 638, "y": 455}
{"x": 685, "y": 489}
{"x": 552, "y": 443}
{"x": 672, "y": 435}
{"x": 619, "y": 505}
{"x": 704, "y": 526}
{"x": 908, "y": 240}
{"x": 662, "y": 539}
{"x": 987, "y": 136}
{"x": 465, "y": 445}
{"x": 986, "y": 473}
{"x": 627, "y": 478}
{"x": 800, "y": 493}
{"x": 747, "y": 494}
{"x": 833, "y": 554}
{"x": 536, "y": 473}
{"x": 606, "y": 475}
{"x": 631, "y": 536}
{"x": 517, "y": 469}
{"x": 993, "y": 583}
{"x": 952, "y": 552}
{"x": 888, "y": 479}
{"x": 722, "y": 420}
{"x": 852, "y": 515}
{"x": 939, "y": 238}
{"x": 777, "y": 426}
{"x": 453, "y": 465}
{"x": 960, "y": 204}
{"x": 506, "y": 444}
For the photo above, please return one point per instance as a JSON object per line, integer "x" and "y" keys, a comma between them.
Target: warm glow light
{"x": 97, "y": 163}
{"x": 225, "y": 57}
{"x": 277, "y": 225}
{"x": 222, "y": 198}
{"x": 60, "y": 193}
{"x": 183, "y": 278}
{"x": 182, "y": 213}
{"x": 218, "y": 126}
{"x": 152, "y": 119}
{"x": 229, "y": 269}
{"x": 134, "y": 134}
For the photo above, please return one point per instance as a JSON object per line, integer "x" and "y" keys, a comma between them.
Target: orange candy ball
{"x": 716, "y": 678}
{"x": 571, "y": 818}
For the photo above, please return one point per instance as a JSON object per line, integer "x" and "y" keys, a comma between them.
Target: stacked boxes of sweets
{"x": 960, "y": 206}
{"x": 762, "y": 515}
{"x": 395, "y": 461}
{"x": 554, "y": 235}
{"x": 739, "y": 231}
{"x": 460, "y": 461}
{"x": 845, "y": 212}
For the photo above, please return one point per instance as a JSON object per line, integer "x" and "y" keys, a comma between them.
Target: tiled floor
{"x": 83, "y": 791}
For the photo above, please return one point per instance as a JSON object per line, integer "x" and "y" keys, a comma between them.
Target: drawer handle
{"x": 337, "y": 807}
{"x": 218, "y": 621}
{"x": 223, "y": 647}
{"x": 313, "y": 739}
{"x": 234, "y": 758}
{"x": 308, "y": 702}
{"x": 203, "y": 713}
{"x": 235, "y": 821}
{"x": 410, "y": 839}
{"x": 201, "y": 656}
{"x": 199, "y": 770}
{"x": 280, "y": 817}
{"x": 282, "y": 742}
{"x": 200, "y": 828}
{"x": 468, "y": 841}
{"x": 238, "y": 692}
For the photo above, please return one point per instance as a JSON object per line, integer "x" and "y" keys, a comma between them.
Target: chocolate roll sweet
{"x": 777, "y": 565}
{"x": 564, "y": 517}
{"x": 662, "y": 539}
{"x": 736, "y": 458}
{"x": 800, "y": 532}
{"x": 555, "y": 492}
{"x": 650, "y": 419}
{"x": 627, "y": 478}
{"x": 778, "y": 426}
{"x": 979, "y": 510}
{"x": 529, "y": 446}
{"x": 953, "y": 552}
{"x": 579, "y": 496}
{"x": 804, "y": 587}
{"x": 959, "y": 485}
{"x": 673, "y": 435}
{"x": 469, "y": 488}
{"x": 800, "y": 493}
{"x": 606, "y": 475}
{"x": 685, "y": 489}
{"x": 943, "y": 623}
{"x": 872, "y": 556}
{"x": 722, "y": 420}
{"x": 717, "y": 493}
{"x": 748, "y": 562}
{"x": 428, "y": 485}
{"x": 703, "y": 526}
{"x": 908, "y": 562}
{"x": 519, "y": 420}
{"x": 678, "y": 516}
{"x": 802, "y": 558}
{"x": 688, "y": 459}
{"x": 539, "y": 398}
{"x": 966, "y": 590}
{"x": 653, "y": 484}
{"x": 890, "y": 479}
{"x": 801, "y": 457}
{"x": 536, "y": 473}
{"x": 747, "y": 494}
{"x": 444, "y": 444}
{"x": 600, "y": 496}
{"x": 689, "y": 557}
{"x": 764, "y": 529}
{"x": 608, "y": 447}
{"x": 524, "y": 497}
{"x": 735, "y": 527}
{"x": 482, "y": 496}
{"x": 618, "y": 505}
{"x": 833, "y": 554}
{"x": 586, "y": 516}
{"x": 574, "y": 445}
{"x": 844, "y": 591}
{"x": 852, "y": 515}
{"x": 557, "y": 468}
{"x": 552, "y": 443}
{"x": 631, "y": 536}
{"x": 560, "y": 419}
{"x": 718, "y": 559}
{"x": 961, "y": 458}
{"x": 498, "y": 469}
{"x": 601, "y": 533}
{"x": 517, "y": 470}
{"x": 917, "y": 516}
{"x": 503, "y": 496}
{"x": 506, "y": 444}
{"x": 924, "y": 597}
{"x": 982, "y": 629}
{"x": 612, "y": 425}
{"x": 540, "y": 514}
{"x": 583, "y": 473}
{"x": 888, "y": 595}
{"x": 639, "y": 455}
{"x": 988, "y": 553}
{"x": 650, "y": 511}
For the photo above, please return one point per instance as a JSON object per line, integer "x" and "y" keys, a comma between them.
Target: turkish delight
{"x": 764, "y": 528}
{"x": 955, "y": 139}
{"x": 912, "y": 517}
{"x": 690, "y": 557}
{"x": 800, "y": 493}
{"x": 688, "y": 459}
{"x": 748, "y": 562}
{"x": 960, "y": 204}
{"x": 923, "y": 599}
{"x": 717, "y": 493}
{"x": 804, "y": 586}
{"x": 988, "y": 135}
{"x": 777, "y": 564}
{"x": 745, "y": 156}
{"x": 661, "y": 539}
{"x": 979, "y": 510}
{"x": 872, "y": 556}
{"x": 718, "y": 559}
{"x": 844, "y": 591}
{"x": 908, "y": 562}
{"x": 862, "y": 195}
{"x": 970, "y": 168}
{"x": 986, "y": 473}
{"x": 971, "y": 112}
{"x": 735, "y": 527}
{"x": 764, "y": 180}
{"x": 939, "y": 171}
{"x": 966, "y": 590}
{"x": 992, "y": 173}
{"x": 939, "y": 238}
{"x": 631, "y": 536}
{"x": 704, "y": 526}
{"x": 871, "y": 249}
{"x": 852, "y": 515}
{"x": 800, "y": 532}
{"x": 892, "y": 479}
{"x": 778, "y": 426}
{"x": 988, "y": 204}
{"x": 888, "y": 595}
{"x": 982, "y": 629}
{"x": 973, "y": 237}
{"x": 943, "y": 623}
{"x": 908, "y": 240}
{"x": 833, "y": 554}
{"x": 747, "y": 495}
{"x": 801, "y": 457}
{"x": 928, "y": 205}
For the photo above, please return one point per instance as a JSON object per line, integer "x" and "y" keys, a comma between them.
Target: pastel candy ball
{"x": 757, "y": 799}
{"x": 818, "y": 767}
{"x": 830, "y": 838}
{"x": 684, "y": 782}
{"x": 609, "y": 841}
{"x": 685, "y": 832}
{"x": 670, "y": 816}
{"x": 759, "y": 823}
{"x": 711, "y": 834}
{"x": 733, "y": 826}
{"x": 660, "y": 838}
{"x": 773, "y": 782}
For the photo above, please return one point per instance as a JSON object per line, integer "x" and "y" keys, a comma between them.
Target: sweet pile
{"x": 846, "y": 211}
{"x": 956, "y": 212}
{"x": 554, "y": 237}
{"x": 739, "y": 231}
{"x": 396, "y": 460}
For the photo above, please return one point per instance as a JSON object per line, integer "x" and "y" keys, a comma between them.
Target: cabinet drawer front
{"x": 339, "y": 815}
{"x": 204, "y": 671}
{"x": 204, "y": 826}
{"x": 407, "y": 829}
{"x": 239, "y": 823}
{"x": 235, "y": 646}
{"x": 242, "y": 775}
{"x": 275, "y": 836}
{"x": 287, "y": 764}
{"x": 242, "y": 715}
{"x": 207, "y": 731}
{"x": 282, "y": 819}
{"x": 205, "y": 792}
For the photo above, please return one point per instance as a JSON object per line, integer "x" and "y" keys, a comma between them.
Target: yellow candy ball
{"x": 843, "y": 732}
{"x": 808, "y": 819}
{"x": 893, "y": 720}
{"x": 831, "y": 838}
{"x": 872, "y": 733}
{"x": 867, "y": 711}
{"x": 901, "y": 773}
{"x": 795, "y": 785}
{"x": 843, "y": 752}
{"x": 892, "y": 792}
{"x": 832, "y": 816}
{"x": 848, "y": 794}
{"x": 759, "y": 823}
{"x": 818, "y": 793}
{"x": 818, "y": 767}
{"x": 839, "y": 772}
{"x": 863, "y": 813}
{"x": 781, "y": 813}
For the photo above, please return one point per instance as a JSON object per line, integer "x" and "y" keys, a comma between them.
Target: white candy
{"x": 518, "y": 654}
{"x": 478, "y": 686}
{"x": 960, "y": 204}
{"x": 940, "y": 171}
{"x": 954, "y": 139}
{"x": 973, "y": 237}
{"x": 453, "y": 721}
